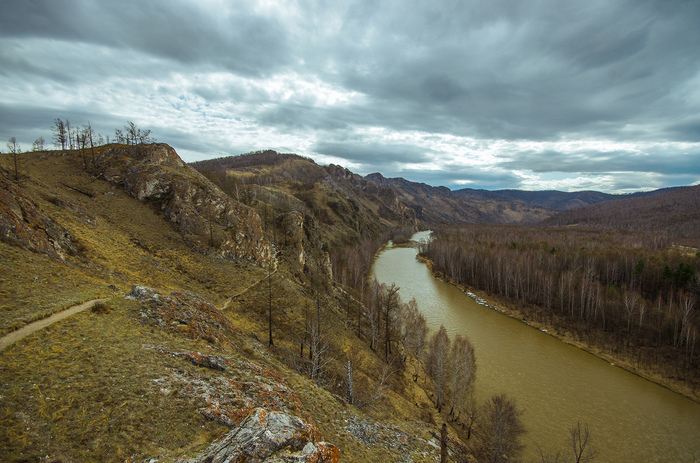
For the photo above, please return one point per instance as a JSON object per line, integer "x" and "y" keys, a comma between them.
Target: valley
{"x": 240, "y": 285}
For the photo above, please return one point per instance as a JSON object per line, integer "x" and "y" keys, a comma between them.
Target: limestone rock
{"x": 293, "y": 225}
{"x": 208, "y": 219}
{"x": 266, "y": 433}
{"x": 25, "y": 225}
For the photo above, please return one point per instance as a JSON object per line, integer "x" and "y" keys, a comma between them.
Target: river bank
{"x": 564, "y": 334}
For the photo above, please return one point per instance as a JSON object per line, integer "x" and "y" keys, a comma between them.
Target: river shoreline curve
{"x": 562, "y": 334}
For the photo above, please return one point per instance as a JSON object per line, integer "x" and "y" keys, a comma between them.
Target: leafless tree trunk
{"x": 503, "y": 428}
{"x": 15, "y": 149}
{"x": 391, "y": 304}
{"x": 438, "y": 364}
{"x": 580, "y": 440}
{"x": 463, "y": 373}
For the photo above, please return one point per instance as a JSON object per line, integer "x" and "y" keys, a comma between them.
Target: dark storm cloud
{"x": 240, "y": 40}
{"x": 515, "y": 69}
{"x": 380, "y": 84}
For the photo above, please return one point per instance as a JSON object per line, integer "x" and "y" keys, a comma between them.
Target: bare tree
{"x": 438, "y": 364}
{"x": 391, "y": 303}
{"x": 270, "y": 341}
{"x": 503, "y": 428}
{"x": 69, "y": 134}
{"x": 60, "y": 135}
{"x": 630, "y": 299}
{"x": 418, "y": 333}
{"x": 580, "y": 441}
{"x": 373, "y": 305}
{"x": 39, "y": 144}
{"x": 119, "y": 136}
{"x": 14, "y": 148}
{"x": 135, "y": 135}
{"x": 89, "y": 134}
{"x": 131, "y": 132}
{"x": 463, "y": 362}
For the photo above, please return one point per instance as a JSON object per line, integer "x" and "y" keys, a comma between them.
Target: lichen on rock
{"x": 25, "y": 225}
{"x": 264, "y": 433}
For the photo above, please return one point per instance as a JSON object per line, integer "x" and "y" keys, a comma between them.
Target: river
{"x": 631, "y": 419}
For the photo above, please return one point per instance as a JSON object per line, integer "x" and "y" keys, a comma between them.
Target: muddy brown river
{"x": 631, "y": 419}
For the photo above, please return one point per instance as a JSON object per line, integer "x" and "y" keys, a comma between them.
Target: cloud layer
{"x": 532, "y": 94}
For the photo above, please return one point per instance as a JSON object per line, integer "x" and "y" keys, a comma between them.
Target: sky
{"x": 492, "y": 94}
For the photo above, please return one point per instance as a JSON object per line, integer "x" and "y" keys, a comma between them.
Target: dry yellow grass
{"x": 86, "y": 389}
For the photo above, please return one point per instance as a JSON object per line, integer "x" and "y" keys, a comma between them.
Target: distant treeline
{"x": 621, "y": 290}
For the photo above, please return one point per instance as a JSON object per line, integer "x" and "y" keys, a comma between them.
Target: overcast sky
{"x": 528, "y": 94}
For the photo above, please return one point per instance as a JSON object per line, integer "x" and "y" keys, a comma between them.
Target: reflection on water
{"x": 632, "y": 420}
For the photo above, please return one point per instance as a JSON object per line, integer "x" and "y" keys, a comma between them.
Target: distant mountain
{"x": 675, "y": 211}
{"x": 435, "y": 205}
{"x": 552, "y": 199}
{"x": 342, "y": 199}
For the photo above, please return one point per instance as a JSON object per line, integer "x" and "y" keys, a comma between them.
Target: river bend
{"x": 631, "y": 419}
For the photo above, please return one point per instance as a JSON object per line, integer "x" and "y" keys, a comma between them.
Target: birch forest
{"x": 632, "y": 294}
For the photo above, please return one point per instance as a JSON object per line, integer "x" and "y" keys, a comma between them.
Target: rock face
{"x": 261, "y": 411}
{"x": 209, "y": 220}
{"x": 23, "y": 224}
{"x": 293, "y": 225}
{"x": 269, "y": 436}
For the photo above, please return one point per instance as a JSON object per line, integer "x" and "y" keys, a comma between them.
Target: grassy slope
{"x": 86, "y": 389}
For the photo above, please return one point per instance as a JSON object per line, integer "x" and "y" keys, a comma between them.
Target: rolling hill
{"x": 675, "y": 212}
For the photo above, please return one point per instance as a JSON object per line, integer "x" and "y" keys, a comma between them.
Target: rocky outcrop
{"x": 270, "y": 436}
{"x": 185, "y": 313}
{"x": 25, "y": 225}
{"x": 251, "y": 399}
{"x": 209, "y": 220}
{"x": 293, "y": 226}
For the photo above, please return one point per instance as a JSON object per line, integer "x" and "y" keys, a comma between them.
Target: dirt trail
{"x": 240, "y": 293}
{"x": 25, "y": 331}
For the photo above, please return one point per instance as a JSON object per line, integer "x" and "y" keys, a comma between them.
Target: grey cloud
{"x": 243, "y": 41}
{"x": 295, "y": 116}
{"x": 489, "y": 70}
{"x": 30, "y": 123}
{"x": 527, "y": 74}
{"x": 492, "y": 179}
{"x": 665, "y": 161}
{"x": 372, "y": 154}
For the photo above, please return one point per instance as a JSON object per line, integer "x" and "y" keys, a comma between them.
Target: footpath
{"x": 26, "y": 330}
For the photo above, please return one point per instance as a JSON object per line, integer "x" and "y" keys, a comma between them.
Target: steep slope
{"x": 179, "y": 363}
{"x": 346, "y": 207}
{"x": 209, "y": 220}
{"x": 439, "y": 205}
{"x": 338, "y": 197}
{"x": 675, "y": 212}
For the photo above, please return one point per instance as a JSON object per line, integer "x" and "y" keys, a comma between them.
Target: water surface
{"x": 631, "y": 419}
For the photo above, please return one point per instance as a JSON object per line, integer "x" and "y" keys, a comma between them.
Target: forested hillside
{"x": 333, "y": 191}
{"x": 552, "y": 199}
{"x": 675, "y": 214}
{"x": 625, "y": 294}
